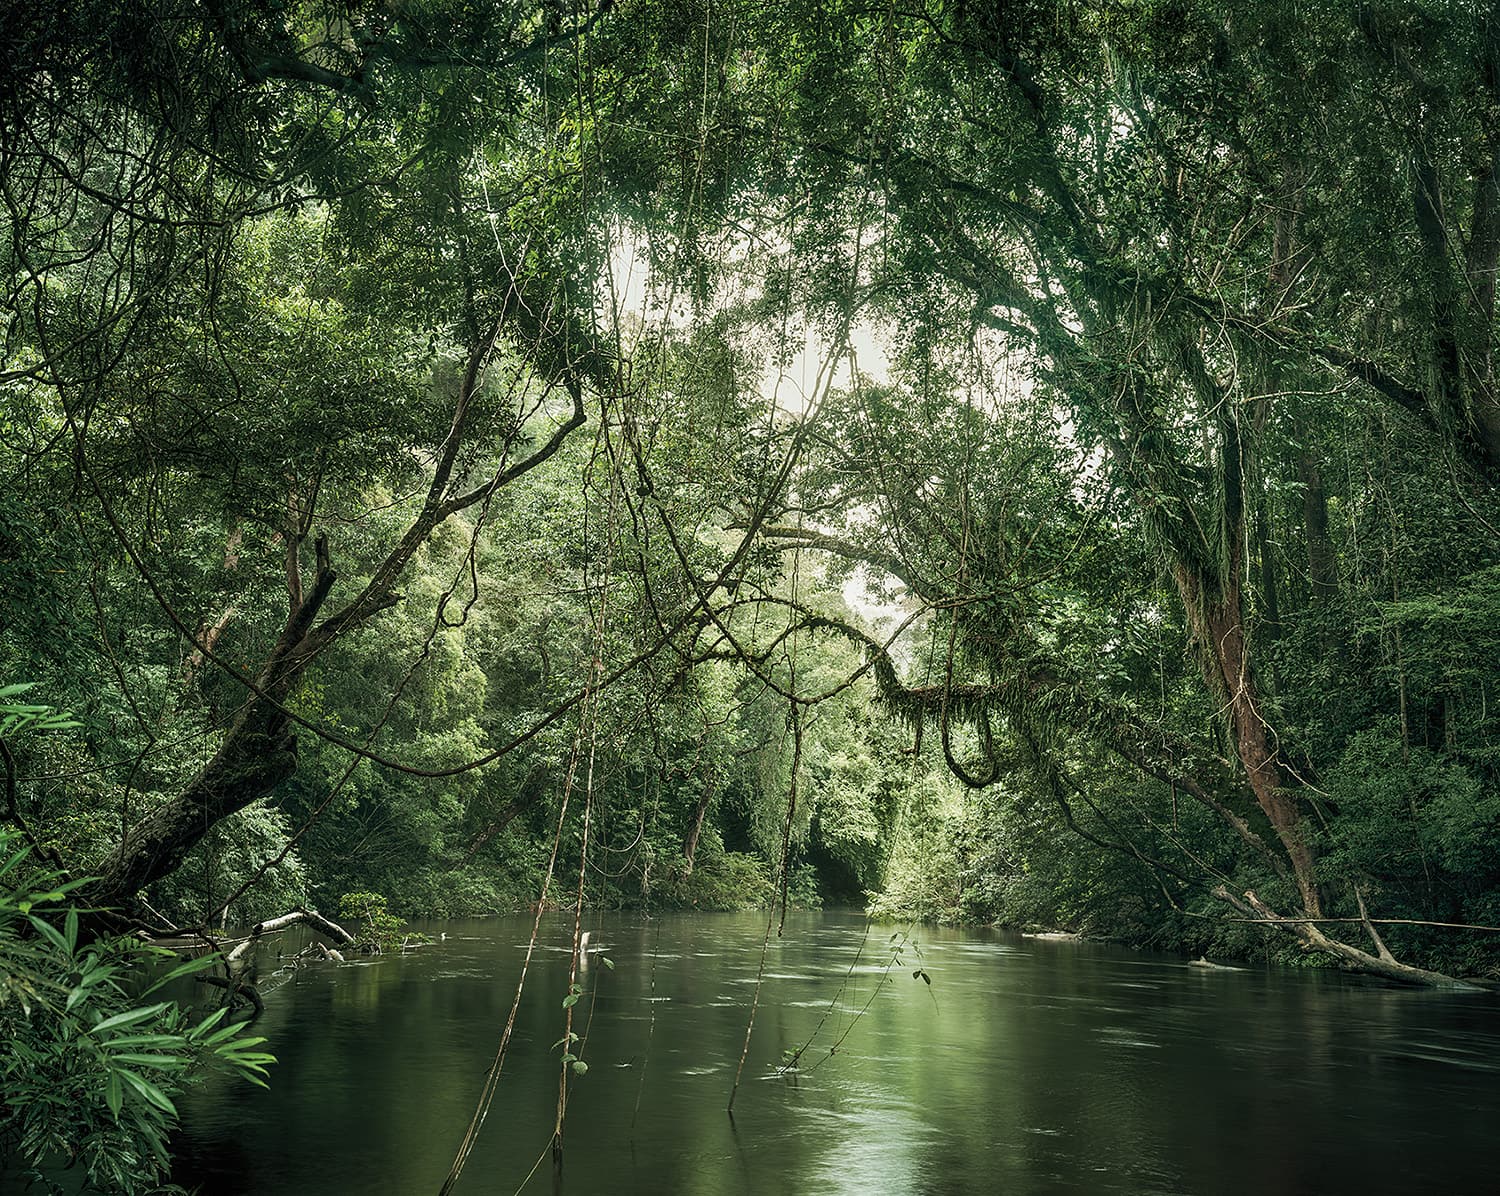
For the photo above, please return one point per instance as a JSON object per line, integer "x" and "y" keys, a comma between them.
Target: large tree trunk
{"x": 1482, "y": 255}
{"x": 1217, "y": 623}
{"x": 258, "y": 753}
{"x": 1462, "y": 308}
{"x": 1321, "y": 571}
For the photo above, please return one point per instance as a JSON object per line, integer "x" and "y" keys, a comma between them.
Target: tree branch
{"x": 1307, "y": 933}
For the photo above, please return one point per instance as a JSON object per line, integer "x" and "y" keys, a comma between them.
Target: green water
{"x": 1025, "y": 1066}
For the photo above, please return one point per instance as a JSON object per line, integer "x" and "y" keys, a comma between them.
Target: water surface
{"x": 1024, "y": 1066}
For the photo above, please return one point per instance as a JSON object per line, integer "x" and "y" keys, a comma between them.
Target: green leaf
{"x": 160, "y": 1062}
{"x": 579, "y": 1066}
{"x": 570, "y": 1000}
{"x": 14, "y": 860}
{"x": 45, "y": 928}
{"x": 144, "y": 1040}
{"x": 113, "y": 1096}
{"x": 255, "y": 1060}
{"x": 148, "y": 1091}
{"x": 244, "y": 1044}
{"x": 186, "y": 969}
{"x": 208, "y": 1023}
{"x": 607, "y": 962}
{"x": 224, "y": 1037}
{"x": 129, "y": 1018}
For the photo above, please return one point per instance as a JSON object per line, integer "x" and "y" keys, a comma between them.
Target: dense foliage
{"x": 1033, "y": 463}
{"x": 91, "y": 1064}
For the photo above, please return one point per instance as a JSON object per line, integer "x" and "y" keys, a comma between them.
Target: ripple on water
{"x": 1015, "y": 1080}
{"x": 1448, "y": 1057}
{"x": 848, "y": 1010}
{"x": 1119, "y": 1036}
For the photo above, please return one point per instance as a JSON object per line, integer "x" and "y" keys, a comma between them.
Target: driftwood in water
{"x": 1203, "y": 962}
{"x": 239, "y": 977}
{"x": 245, "y": 987}
{"x": 273, "y": 925}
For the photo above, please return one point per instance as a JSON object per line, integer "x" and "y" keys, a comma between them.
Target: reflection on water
{"x": 1026, "y": 1066}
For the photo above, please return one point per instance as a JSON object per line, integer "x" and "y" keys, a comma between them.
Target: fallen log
{"x": 1307, "y": 933}
{"x": 237, "y": 982}
{"x": 273, "y": 925}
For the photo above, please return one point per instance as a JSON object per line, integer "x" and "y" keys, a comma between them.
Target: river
{"x": 1023, "y": 1066}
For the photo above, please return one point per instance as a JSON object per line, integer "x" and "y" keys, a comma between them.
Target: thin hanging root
{"x": 583, "y": 855}
{"x": 589, "y": 717}
{"x": 596, "y": 671}
{"x": 791, "y": 811}
{"x": 492, "y": 1078}
{"x": 792, "y": 1059}
{"x": 795, "y": 719}
{"x": 760, "y": 973}
{"x": 588, "y": 723}
{"x": 879, "y": 987}
{"x": 650, "y": 1028}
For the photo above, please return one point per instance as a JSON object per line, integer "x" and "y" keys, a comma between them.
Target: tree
{"x": 1159, "y": 223}
{"x": 202, "y": 353}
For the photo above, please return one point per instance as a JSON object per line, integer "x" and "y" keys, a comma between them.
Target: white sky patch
{"x": 793, "y": 390}
{"x": 882, "y": 612}
{"x": 643, "y": 304}
{"x": 636, "y": 305}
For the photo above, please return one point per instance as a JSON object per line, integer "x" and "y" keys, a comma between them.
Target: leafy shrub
{"x": 87, "y": 1072}
{"x": 461, "y": 893}
{"x": 723, "y": 880}
{"x": 378, "y": 928}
